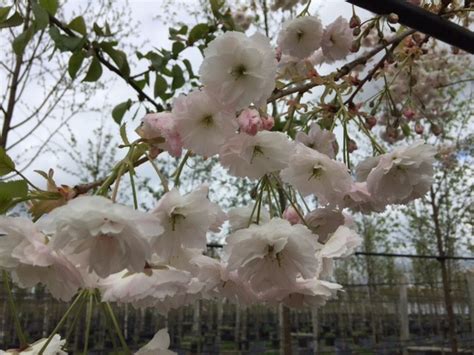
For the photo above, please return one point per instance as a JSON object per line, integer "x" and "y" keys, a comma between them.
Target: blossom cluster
{"x": 157, "y": 258}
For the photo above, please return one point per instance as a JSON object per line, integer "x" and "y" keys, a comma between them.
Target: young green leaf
{"x": 41, "y": 16}
{"x": 20, "y": 42}
{"x": 78, "y": 24}
{"x": 160, "y": 85}
{"x": 120, "y": 109}
{"x": 198, "y": 32}
{"x": 49, "y": 5}
{"x": 178, "y": 78}
{"x": 6, "y": 163}
{"x": 94, "y": 72}
{"x": 13, "y": 189}
{"x": 13, "y": 21}
{"x": 75, "y": 63}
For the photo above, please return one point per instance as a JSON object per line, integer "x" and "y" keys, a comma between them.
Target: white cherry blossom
{"x": 337, "y": 40}
{"x": 315, "y": 173}
{"x": 109, "y": 237}
{"x": 274, "y": 253}
{"x": 323, "y": 141}
{"x": 255, "y": 156}
{"x": 238, "y": 70}
{"x": 300, "y": 36}
{"x": 158, "y": 345}
{"x": 202, "y": 123}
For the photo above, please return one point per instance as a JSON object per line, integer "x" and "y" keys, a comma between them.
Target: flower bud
{"x": 436, "y": 130}
{"x": 355, "y": 46}
{"x": 409, "y": 113}
{"x": 370, "y": 122}
{"x": 291, "y": 215}
{"x": 354, "y": 21}
{"x": 419, "y": 128}
{"x": 393, "y": 18}
{"x": 356, "y": 31}
{"x": 352, "y": 146}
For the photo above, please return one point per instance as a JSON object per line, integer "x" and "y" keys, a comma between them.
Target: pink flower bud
{"x": 419, "y": 128}
{"x": 268, "y": 122}
{"x": 409, "y": 113}
{"x": 351, "y": 146}
{"x": 371, "y": 121}
{"x": 291, "y": 215}
{"x": 249, "y": 121}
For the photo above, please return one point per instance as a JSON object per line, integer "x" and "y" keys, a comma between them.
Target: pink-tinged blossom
{"x": 359, "y": 199}
{"x": 26, "y": 253}
{"x": 341, "y": 243}
{"x": 55, "y": 347}
{"x": 337, "y": 40}
{"x": 186, "y": 220}
{"x": 162, "y": 125}
{"x": 145, "y": 288}
{"x": 301, "y": 36}
{"x": 291, "y": 215}
{"x": 242, "y": 217}
{"x": 314, "y": 173}
{"x": 324, "y": 221}
{"x": 13, "y": 232}
{"x": 255, "y": 156}
{"x": 238, "y": 70}
{"x": 158, "y": 345}
{"x": 400, "y": 176}
{"x": 272, "y": 254}
{"x": 305, "y": 293}
{"x": 202, "y": 123}
{"x": 323, "y": 141}
{"x": 107, "y": 237}
{"x": 220, "y": 282}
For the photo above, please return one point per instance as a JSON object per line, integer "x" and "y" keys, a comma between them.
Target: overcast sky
{"x": 154, "y": 33}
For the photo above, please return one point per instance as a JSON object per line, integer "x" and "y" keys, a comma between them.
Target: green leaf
{"x": 215, "y": 6}
{"x": 6, "y": 163}
{"x": 41, "y": 16}
{"x": 20, "y": 42}
{"x": 178, "y": 78}
{"x": 75, "y": 63}
{"x": 160, "y": 86}
{"x": 189, "y": 67}
{"x": 49, "y": 5}
{"x": 119, "y": 57}
{"x": 14, "y": 20}
{"x": 177, "y": 48}
{"x": 13, "y": 189}
{"x": 79, "y": 25}
{"x": 65, "y": 43}
{"x": 94, "y": 72}
{"x": 4, "y": 11}
{"x": 120, "y": 109}
{"x": 198, "y": 32}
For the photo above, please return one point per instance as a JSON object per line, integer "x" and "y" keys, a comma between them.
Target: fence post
{"x": 404, "y": 324}
{"x": 314, "y": 322}
{"x": 470, "y": 287}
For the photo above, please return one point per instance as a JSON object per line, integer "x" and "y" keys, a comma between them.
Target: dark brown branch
{"x": 141, "y": 94}
{"x": 344, "y": 70}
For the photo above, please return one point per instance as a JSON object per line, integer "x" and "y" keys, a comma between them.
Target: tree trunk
{"x": 445, "y": 276}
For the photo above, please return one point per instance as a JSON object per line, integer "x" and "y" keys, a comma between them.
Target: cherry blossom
{"x": 255, "y": 156}
{"x": 337, "y": 40}
{"x": 258, "y": 251}
{"x": 238, "y": 70}
{"x": 314, "y": 173}
{"x": 158, "y": 345}
{"x": 202, "y": 123}
{"x": 109, "y": 237}
{"x": 318, "y": 139}
{"x": 301, "y": 36}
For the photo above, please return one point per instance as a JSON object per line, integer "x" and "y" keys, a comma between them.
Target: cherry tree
{"x": 286, "y": 113}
